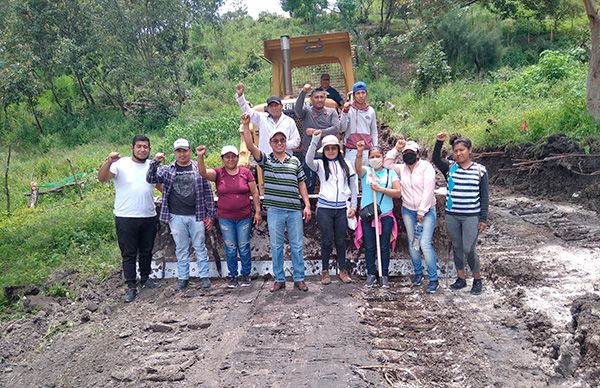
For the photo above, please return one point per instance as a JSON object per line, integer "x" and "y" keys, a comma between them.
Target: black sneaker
{"x": 417, "y": 280}
{"x": 150, "y": 284}
{"x": 384, "y": 282}
{"x": 432, "y": 287}
{"x": 246, "y": 281}
{"x": 232, "y": 283}
{"x": 458, "y": 284}
{"x": 182, "y": 284}
{"x": 477, "y": 286}
{"x": 371, "y": 281}
{"x": 130, "y": 295}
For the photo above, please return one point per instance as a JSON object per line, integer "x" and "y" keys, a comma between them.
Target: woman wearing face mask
{"x": 338, "y": 182}
{"x": 466, "y": 206}
{"x": 417, "y": 180}
{"x": 385, "y": 183}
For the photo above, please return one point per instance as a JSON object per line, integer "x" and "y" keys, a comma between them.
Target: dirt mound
{"x": 586, "y": 328}
{"x": 555, "y": 168}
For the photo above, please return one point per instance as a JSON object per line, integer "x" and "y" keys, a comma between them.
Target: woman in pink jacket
{"x": 417, "y": 180}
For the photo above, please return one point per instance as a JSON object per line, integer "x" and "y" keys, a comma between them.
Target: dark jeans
{"x": 332, "y": 224}
{"x": 387, "y": 224}
{"x": 136, "y": 240}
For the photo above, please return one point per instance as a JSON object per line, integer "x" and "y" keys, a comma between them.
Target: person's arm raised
{"x": 104, "y": 173}
{"x": 248, "y": 137}
{"x": 210, "y": 173}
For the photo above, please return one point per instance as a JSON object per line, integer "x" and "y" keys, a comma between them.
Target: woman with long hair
{"x": 337, "y": 184}
{"x": 466, "y": 207}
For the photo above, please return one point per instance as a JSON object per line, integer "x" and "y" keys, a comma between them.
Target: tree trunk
{"x": 593, "y": 81}
{"x": 35, "y": 115}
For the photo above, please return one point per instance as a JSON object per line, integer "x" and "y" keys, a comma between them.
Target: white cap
{"x": 411, "y": 146}
{"x": 329, "y": 140}
{"x": 181, "y": 144}
{"x": 275, "y": 132}
{"x": 229, "y": 148}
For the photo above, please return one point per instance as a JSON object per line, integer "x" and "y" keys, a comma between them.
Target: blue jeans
{"x": 277, "y": 220}
{"x": 387, "y": 224}
{"x": 311, "y": 178}
{"x": 410, "y": 220}
{"x": 182, "y": 229}
{"x": 236, "y": 238}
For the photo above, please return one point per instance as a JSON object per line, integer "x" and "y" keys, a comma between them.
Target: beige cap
{"x": 329, "y": 140}
{"x": 181, "y": 144}
{"x": 229, "y": 148}
{"x": 411, "y": 146}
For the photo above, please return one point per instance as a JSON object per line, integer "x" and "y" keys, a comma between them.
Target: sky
{"x": 255, "y": 6}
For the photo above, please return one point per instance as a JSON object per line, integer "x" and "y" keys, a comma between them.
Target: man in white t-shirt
{"x": 135, "y": 212}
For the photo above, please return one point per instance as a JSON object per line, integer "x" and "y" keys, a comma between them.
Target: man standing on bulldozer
{"x": 272, "y": 120}
{"x": 318, "y": 116}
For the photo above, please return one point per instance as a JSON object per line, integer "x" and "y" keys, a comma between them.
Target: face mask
{"x": 376, "y": 163}
{"x": 409, "y": 158}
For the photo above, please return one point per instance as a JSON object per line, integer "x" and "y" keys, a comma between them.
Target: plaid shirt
{"x": 205, "y": 200}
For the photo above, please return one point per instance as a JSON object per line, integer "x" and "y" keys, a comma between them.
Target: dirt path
{"x": 531, "y": 327}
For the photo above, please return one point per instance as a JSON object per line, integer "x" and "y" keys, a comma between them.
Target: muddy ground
{"x": 536, "y": 324}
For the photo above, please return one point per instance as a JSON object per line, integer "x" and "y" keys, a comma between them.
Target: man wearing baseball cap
{"x": 284, "y": 185}
{"x": 187, "y": 206}
{"x": 269, "y": 121}
{"x": 417, "y": 180}
{"x": 358, "y": 123}
{"x": 317, "y": 116}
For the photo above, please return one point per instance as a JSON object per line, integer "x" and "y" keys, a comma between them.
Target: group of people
{"x": 189, "y": 209}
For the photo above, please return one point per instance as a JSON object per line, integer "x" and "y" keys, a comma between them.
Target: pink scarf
{"x": 358, "y": 235}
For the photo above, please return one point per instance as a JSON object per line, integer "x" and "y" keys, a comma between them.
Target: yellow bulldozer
{"x": 300, "y": 60}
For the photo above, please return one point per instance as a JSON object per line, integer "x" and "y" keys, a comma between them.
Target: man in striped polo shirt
{"x": 285, "y": 182}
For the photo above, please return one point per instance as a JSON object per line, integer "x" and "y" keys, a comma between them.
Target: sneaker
{"x": 371, "y": 281}
{"x": 417, "y": 280}
{"x": 205, "y": 283}
{"x": 130, "y": 295}
{"x": 246, "y": 281}
{"x": 384, "y": 282}
{"x": 458, "y": 284}
{"x": 477, "y": 286}
{"x": 432, "y": 287}
{"x": 232, "y": 283}
{"x": 150, "y": 284}
{"x": 344, "y": 277}
{"x": 182, "y": 284}
{"x": 325, "y": 278}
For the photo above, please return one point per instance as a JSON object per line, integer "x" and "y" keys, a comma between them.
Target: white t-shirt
{"x": 133, "y": 195}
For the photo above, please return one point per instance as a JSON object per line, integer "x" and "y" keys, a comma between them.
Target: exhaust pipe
{"x": 287, "y": 65}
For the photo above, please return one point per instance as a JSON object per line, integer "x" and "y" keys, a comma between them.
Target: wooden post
{"x": 75, "y": 179}
{"x": 6, "y": 181}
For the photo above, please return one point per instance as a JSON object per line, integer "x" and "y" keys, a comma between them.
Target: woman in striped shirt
{"x": 466, "y": 206}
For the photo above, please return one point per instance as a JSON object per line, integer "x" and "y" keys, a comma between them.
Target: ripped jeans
{"x": 236, "y": 238}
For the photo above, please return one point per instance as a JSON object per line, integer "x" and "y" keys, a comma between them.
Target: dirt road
{"x": 537, "y": 324}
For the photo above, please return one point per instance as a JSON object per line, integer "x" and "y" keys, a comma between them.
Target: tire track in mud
{"x": 512, "y": 335}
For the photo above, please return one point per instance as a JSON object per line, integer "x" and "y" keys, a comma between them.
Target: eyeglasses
{"x": 278, "y": 141}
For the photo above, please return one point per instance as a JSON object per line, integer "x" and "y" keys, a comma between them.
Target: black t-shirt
{"x": 182, "y": 197}
{"x": 334, "y": 95}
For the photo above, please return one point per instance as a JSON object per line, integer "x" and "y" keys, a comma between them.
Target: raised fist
{"x": 317, "y": 133}
{"x": 347, "y": 106}
{"x": 307, "y": 88}
{"x": 360, "y": 146}
{"x": 441, "y": 136}
{"x": 201, "y": 150}
{"x": 239, "y": 89}
{"x": 159, "y": 157}
{"x": 400, "y": 143}
{"x": 245, "y": 119}
{"x": 113, "y": 157}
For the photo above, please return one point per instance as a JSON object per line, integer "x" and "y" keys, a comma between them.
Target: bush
{"x": 432, "y": 69}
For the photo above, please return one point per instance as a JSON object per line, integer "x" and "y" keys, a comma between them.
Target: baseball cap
{"x": 181, "y": 144}
{"x": 359, "y": 86}
{"x": 329, "y": 140}
{"x": 272, "y": 99}
{"x": 411, "y": 146}
{"x": 275, "y": 132}
{"x": 229, "y": 148}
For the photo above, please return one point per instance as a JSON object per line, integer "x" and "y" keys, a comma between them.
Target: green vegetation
{"x": 78, "y": 79}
